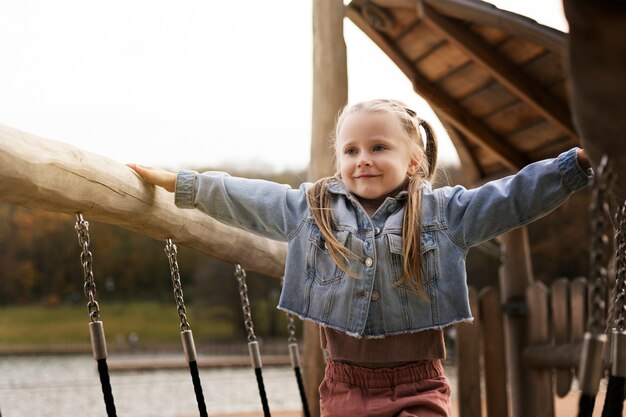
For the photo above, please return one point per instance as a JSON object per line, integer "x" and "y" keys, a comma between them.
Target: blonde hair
{"x": 425, "y": 154}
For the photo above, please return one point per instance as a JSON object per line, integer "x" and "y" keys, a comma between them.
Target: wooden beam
{"x": 454, "y": 113}
{"x": 514, "y": 24}
{"x": 44, "y": 174}
{"x": 503, "y": 70}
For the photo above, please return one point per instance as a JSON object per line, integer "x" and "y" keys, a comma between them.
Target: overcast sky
{"x": 184, "y": 84}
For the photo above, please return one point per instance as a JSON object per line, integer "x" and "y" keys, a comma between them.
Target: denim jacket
{"x": 373, "y": 304}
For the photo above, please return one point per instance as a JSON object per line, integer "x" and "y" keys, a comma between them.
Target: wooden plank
{"x": 494, "y": 360}
{"x": 468, "y": 362}
{"x": 516, "y": 274}
{"x": 441, "y": 61}
{"x": 504, "y": 70}
{"x": 394, "y": 21}
{"x": 465, "y": 79}
{"x": 515, "y": 25}
{"x": 561, "y": 329}
{"x": 533, "y": 137}
{"x": 512, "y": 118}
{"x": 540, "y": 381}
{"x": 578, "y": 308}
{"x": 519, "y": 51}
{"x": 490, "y": 34}
{"x": 418, "y": 41}
{"x": 548, "y": 356}
{"x": 442, "y": 103}
{"x": 49, "y": 175}
{"x": 403, "y": 19}
{"x": 553, "y": 148}
{"x": 486, "y": 100}
{"x": 548, "y": 69}
{"x": 561, "y": 90}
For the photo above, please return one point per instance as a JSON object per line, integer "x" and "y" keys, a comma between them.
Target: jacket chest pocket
{"x": 320, "y": 264}
{"x": 428, "y": 250}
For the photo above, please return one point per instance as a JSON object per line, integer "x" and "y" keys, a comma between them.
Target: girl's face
{"x": 374, "y": 158}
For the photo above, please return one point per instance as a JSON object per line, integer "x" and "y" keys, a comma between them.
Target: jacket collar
{"x": 338, "y": 187}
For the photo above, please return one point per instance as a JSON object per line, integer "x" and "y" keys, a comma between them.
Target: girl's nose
{"x": 364, "y": 160}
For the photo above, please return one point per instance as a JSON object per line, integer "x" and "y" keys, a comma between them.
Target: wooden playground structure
{"x": 508, "y": 90}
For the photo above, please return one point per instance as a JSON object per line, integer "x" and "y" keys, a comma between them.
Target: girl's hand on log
{"x": 156, "y": 176}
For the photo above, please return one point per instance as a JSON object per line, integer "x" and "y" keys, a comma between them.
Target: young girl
{"x": 376, "y": 256}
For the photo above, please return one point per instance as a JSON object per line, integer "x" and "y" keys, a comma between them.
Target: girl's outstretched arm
{"x": 156, "y": 176}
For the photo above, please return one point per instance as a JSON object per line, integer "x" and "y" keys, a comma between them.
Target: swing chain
{"x": 619, "y": 304}
{"x": 240, "y": 274}
{"x": 171, "y": 251}
{"x": 86, "y": 260}
{"x": 599, "y": 247}
{"x": 291, "y": 329}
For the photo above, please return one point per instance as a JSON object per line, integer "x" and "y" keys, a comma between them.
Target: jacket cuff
{"x": 573, "y": 175}
{"x": 184, "y": 193}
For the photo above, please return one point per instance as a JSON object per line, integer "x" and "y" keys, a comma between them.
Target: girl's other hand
{"x": 156, "y": 176}
{"x": 583, "y": 159}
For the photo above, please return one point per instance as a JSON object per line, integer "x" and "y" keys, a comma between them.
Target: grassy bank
{"x": 153, "y": 323}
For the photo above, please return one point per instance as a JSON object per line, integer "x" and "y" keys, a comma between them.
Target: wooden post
{"x": 560, "y": 329}
{"x": 515, "y": 276}
{"x": 540, "y": 380}
{"x": 468, "y": 362}
{"x": 330, "y": 95}
{"x": 493, "y": 353}
{"x": 596, "y": 47}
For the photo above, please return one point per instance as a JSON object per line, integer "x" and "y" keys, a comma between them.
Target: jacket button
{"x": 375, "y": 295}
{"x": 377, "y": 230}
{"x": 369, "y": 262}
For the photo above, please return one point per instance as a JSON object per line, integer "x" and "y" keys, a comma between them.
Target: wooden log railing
{"x": 44, "y": 174}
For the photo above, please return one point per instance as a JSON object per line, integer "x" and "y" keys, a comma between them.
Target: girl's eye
{"x": 378, "y": 148}
{"x": 350, "y": 151}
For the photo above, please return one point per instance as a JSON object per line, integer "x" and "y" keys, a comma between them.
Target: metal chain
{"x": 86, "y": 260}
{"x": 599, "y": 250}
{"x": 240, "y": 274}
{"x": 291, "y": 329}
{"x": 619, "y": 301}
{"x": 171, "y": 251}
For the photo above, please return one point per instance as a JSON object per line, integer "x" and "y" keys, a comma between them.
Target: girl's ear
{"x": 412, "y": 169}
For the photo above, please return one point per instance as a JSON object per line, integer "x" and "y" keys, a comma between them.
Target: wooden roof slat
{"x": 513, "y": 118}
{"x": 490, "y": 34}
{"x": 531, "y": 137}
{"x": 520, "y": 51}
{"x": 436, "y": 65}
{"x": 465, "y": 79}
{"x": 446, "y": 106}
{"x": 487, "y": 100}
{"x": 547, "y": 69}
{"x": 502, "y": 69}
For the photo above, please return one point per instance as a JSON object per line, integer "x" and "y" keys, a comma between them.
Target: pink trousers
{"x": 415, "y": 390}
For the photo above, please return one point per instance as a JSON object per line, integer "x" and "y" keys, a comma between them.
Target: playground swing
{"x": 591, "y": 367}
{"x": 96, "y": 328}
{"x": 253, "y": 346}
{"x": 98, "y": 341}
{"x": 185, "y": 334}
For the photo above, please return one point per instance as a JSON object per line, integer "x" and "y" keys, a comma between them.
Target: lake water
{"x": 51, "y": 386}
